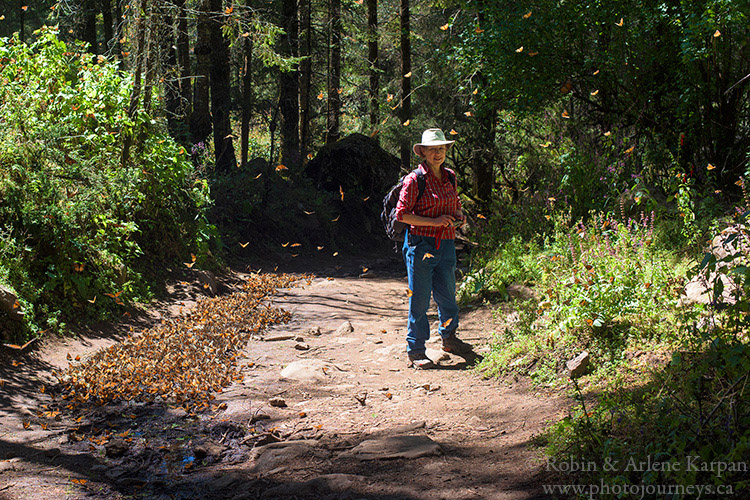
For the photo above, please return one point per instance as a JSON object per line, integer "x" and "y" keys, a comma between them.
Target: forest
{"x": 602, "y": 157}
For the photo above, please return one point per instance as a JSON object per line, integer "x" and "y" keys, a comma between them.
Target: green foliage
{"x": 522, "y": 353}
{"x": 666, "y": 69}
{"x": 514, "y": 262}
{"x": 690, "y": 414}
{"x": 604, "y": 287}
{"x": 604, "y": 272}
{"x": 668, "y": 383}
{"x": 243, "y": 23}
{"x": 729, "y": 278}
{"x": 75, "y": 223}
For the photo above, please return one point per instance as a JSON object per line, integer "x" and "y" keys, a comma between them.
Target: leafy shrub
{"x": 603, "y": 287}
{"x": 77, "y": 224}
{"x": 514, "y": 262}
{"x": 604, "y": 272}
{"x": 690, "y": 415}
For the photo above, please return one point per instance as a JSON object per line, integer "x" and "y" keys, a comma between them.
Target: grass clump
{"x": 514, "y": 262}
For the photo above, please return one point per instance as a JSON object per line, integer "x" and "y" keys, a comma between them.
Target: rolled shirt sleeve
{"x": 408, "y": 196}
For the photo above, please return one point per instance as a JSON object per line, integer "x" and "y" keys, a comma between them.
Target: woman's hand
{"x": 443, "y": 220}
{"x": 418, "y": 220}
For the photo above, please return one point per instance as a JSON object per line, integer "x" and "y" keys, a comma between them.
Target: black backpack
{"x": 393, "y": 227}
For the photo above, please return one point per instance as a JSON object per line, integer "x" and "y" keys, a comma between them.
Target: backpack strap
{"x": 421, "y": 183}
{"x": 452, "y": 178}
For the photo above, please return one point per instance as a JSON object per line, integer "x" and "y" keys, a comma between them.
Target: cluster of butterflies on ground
{"x": 182, "y": 361}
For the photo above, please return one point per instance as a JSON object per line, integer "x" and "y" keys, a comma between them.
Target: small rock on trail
{"x": 578, "y": 365}
{"x": 269, "y": 458}
{"x": 308, "y": 371}
{"x": 345, "y": 329}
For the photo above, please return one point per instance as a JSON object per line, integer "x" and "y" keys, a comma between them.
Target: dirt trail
{"x": 352, "y": 422}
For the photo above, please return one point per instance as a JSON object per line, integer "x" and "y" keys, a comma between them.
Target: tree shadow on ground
{"x": 155, "y": 466}
{"x": 333, "y": 478}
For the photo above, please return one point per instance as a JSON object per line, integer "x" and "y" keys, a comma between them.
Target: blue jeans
{"x": 434, "y": 276}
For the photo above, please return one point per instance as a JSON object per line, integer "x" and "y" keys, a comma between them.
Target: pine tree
{"x": 334, "y": 72}
{"x": 405, "y": 112}
{"x": 372, "y": 60}
{"x": 289, "y": 87}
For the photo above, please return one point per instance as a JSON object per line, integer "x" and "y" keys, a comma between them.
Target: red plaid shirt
{"x": 439, "y": 198}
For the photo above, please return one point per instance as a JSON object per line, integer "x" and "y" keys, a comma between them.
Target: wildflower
{"x": 651, "y": 224}
{"x": 572, "y": 250}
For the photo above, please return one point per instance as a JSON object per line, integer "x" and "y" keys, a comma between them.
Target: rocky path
{"x": 327, "y": 409}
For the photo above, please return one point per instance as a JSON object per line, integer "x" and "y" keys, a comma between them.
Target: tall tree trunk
{"x": 305, "y": 77}
{"x": 183, "y": 60}
{"x": 89, "y": 25}
{"x": 175, "y": 123}
{"x": 483, "y": 155}
{"x": 135, "y": 96}
{"x": 106, "y": 8}
{"x": 372, "y": 60}
{"x": 221, "y": 93}
{"x": 247, "y": 99}
{"x": 405, "y": 80}
{"x": 200, "y": 118}
{"x": 22, "y": 20}
{"x": 152, "y": 49}
{"x": 177, "y": 88}
{"x": 119, "y": 30}
{"x": 289, "y": 88}
{"x": 271, "y": 155}
{"x": 334, "y": 75}
{"x": 483, "y": 152}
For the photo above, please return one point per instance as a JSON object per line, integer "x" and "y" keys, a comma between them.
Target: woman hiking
{"x": 429, "y": 249}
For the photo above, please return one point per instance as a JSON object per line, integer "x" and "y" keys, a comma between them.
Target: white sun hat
{"x": 431, "y": 137}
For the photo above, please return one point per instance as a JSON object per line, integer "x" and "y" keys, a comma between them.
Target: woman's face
{"x": 435, "y": 155}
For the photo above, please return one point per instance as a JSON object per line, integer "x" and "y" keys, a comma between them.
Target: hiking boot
{"x": 455, "y": 345}
{"x": 420, "y": 361}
